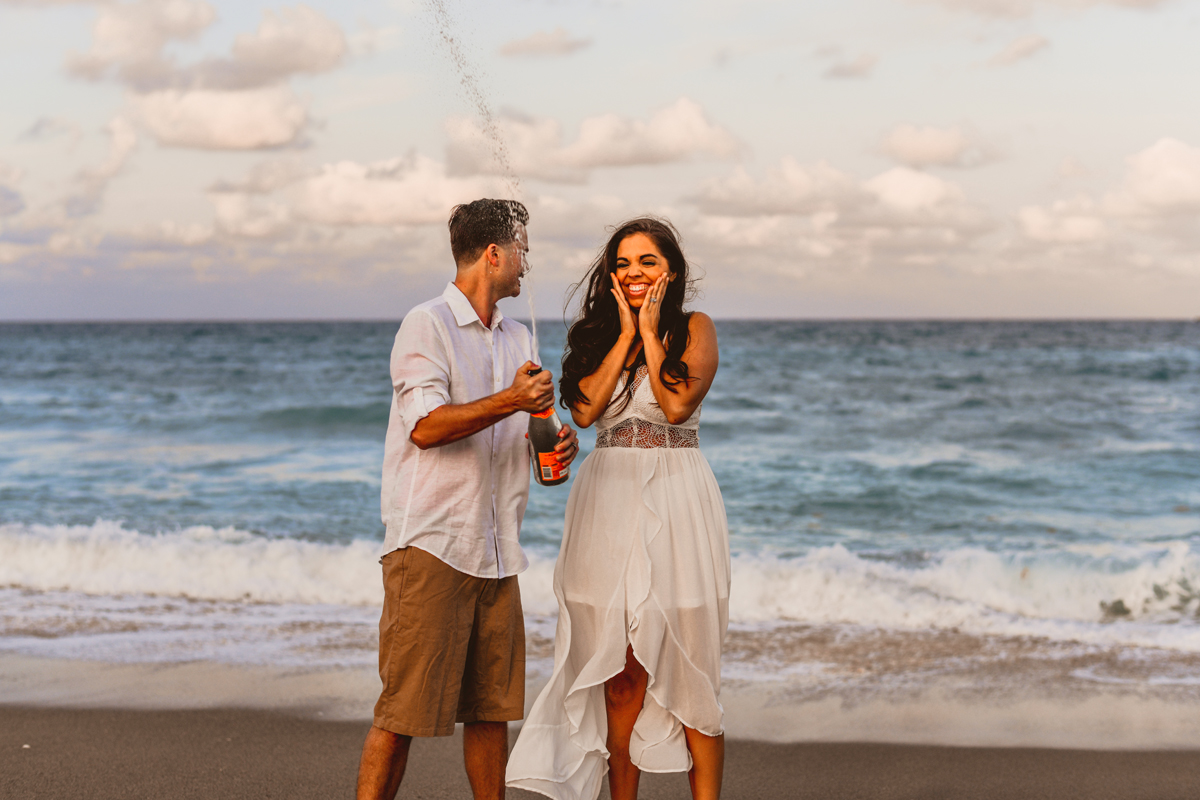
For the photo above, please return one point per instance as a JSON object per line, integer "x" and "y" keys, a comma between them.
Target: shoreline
{"x": 948, "y": 711}
{"x": 248, "y": 753}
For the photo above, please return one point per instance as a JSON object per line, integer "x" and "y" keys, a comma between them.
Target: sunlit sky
{"x": 183, "y": 159}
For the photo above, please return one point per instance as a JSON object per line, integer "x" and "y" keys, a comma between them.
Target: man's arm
{"x": 449, "y": 423}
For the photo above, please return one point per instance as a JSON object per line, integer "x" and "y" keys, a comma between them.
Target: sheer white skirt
{"x": 644, "y": 562}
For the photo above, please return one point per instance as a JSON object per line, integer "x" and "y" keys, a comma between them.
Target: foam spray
{"x": 469, "y": 82}
{"x": 543, "y": 427}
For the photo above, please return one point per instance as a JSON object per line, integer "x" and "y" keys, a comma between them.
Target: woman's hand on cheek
{"x": 629, "y": 326}
{"x": 651, "y": 310}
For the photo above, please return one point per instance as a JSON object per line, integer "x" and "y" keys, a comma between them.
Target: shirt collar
{"x": 464, "y": 312}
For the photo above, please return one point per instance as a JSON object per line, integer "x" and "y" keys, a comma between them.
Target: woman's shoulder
{"x": 701, "y": 324}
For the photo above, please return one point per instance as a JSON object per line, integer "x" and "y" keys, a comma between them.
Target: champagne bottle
{"x": 543, "y": 437}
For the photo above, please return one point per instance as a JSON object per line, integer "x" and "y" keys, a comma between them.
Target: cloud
{"x": 790, "y": 188}
{"x": 266, "y": 177}
{"x": 1074, "y": 221}
{"x": 238, "y": 102}
{"x": 91, "y": 183}
{"x": 244, "y": 215}
{"x": 1162, "y": 179}
{"x": 861, "y": 67}
{"x": 937, "y": 147}
{"x": 1019, "y": 49}
{"x": 47, "y": 128}
{"x": 11, "y": 202}
{"x": 413, "y": 190}
{"x": 535, "y": 149}
{"x": 128, "y": 39}
{"x": 799, "y": 215}
{"x": 553, "y": 43}
{"x": 1024, "y": 8}
{"x": 222, "y": 120}
{"x": 1149, "y": 219}
{"x": 294, "y": 41}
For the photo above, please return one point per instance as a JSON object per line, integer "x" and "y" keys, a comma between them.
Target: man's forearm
{"x": 449, "y": 423}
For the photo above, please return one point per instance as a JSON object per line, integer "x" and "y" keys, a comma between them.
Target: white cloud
{"x": 91, "y": 183}
{"x": 1163, "y": 178}
{"x": 222, "y": 120}
{"x": 909, "y": 191}
{"x": 542, "y": 43}
{"x": 1064, "y": 222}
{"x": 266, "y": 177}
{"x": 534, "y": 147}
{"x": 799, "y": 215}
{"x": 243, "y": 215}
{"x": 1148, "y": 220}
{"x": 936, "y": 147}
{"x": 293, "y": 41}
{"x": 1019, "y": 49}
{"x": 401, "y": 191}
{"x": 790, "y": 188}
{"x": 129, "y": 37}
{"x": 240, "y": 102}
{"x": 861, "y": 67}
{"x": 1024, "y": 8}
{"x": 676, "y": 133}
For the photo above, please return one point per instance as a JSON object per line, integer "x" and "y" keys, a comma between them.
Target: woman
{"x": 642, "y": 578}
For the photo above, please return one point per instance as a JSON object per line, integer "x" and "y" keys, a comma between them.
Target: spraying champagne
{"x": 543, "y": 437}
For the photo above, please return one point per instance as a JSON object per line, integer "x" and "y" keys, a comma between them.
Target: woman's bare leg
{"x": 708, "y": 764}
{"x": 624, "y": 694}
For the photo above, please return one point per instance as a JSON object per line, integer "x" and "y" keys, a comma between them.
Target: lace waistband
{"x": 645, "y": 435}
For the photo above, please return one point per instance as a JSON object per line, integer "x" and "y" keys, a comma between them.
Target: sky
{"x": 197, "y": 159}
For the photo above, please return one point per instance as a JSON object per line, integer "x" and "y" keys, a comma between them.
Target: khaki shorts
{"x": 451, "y": 647}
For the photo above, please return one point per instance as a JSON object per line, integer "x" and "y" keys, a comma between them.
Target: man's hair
{"x": 475, "y": 225}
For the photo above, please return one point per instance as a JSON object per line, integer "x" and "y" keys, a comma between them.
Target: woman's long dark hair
{"x": 598, "y": 325}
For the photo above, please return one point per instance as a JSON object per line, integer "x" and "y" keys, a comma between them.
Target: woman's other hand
{"x": 568, "y": 446}
{"x": 629, "y": 326}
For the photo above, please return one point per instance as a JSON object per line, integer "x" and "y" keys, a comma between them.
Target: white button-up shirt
{"x": 462, "y": 502}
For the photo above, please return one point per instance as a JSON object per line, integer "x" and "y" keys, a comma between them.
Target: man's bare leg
{"x": 384, "y": 757}
{"x": 485, "y": 751}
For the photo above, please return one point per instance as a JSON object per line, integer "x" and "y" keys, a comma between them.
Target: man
{"x": 455, "y": 485}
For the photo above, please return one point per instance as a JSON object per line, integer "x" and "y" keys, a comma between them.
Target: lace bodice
{"x": 642, "y": 423}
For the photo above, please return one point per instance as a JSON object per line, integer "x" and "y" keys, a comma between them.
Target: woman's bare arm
{"x": 600, "y": 385}
{"x": 678, "y": 402}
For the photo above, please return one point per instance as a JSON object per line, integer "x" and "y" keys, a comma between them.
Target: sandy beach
{"x": 238, "y": 753}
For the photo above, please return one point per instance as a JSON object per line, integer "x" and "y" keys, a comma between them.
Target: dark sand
{"x": 103, "y": 754}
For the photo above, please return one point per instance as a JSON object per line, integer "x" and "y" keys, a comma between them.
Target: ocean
{"x": 986, "y": 503}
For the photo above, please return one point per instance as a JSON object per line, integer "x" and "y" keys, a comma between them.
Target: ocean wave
{"x": 373, "y": 415}
{"x": 1146, "y": 594}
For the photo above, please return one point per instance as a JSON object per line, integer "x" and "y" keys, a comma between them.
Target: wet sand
{"x": 108, "y": 754}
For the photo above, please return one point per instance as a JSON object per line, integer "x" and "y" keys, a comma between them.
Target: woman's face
{"x": 639, "y": 265}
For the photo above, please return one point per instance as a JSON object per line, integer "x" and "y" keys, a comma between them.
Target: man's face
{"x": 512, "y": 264}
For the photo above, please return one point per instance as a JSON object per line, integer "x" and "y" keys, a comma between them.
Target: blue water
{"x": 887, "y": 437}
{"x": 1001, "y": 477}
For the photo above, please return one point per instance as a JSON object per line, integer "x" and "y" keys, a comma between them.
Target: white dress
{"x": 644, "y": 562}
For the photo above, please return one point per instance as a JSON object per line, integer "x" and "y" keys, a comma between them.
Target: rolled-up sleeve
{"x": 420, "y": 369}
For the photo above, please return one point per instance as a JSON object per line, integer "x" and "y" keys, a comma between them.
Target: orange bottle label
{"x": 543, "y": 414}
{"x": 551, "y": 469}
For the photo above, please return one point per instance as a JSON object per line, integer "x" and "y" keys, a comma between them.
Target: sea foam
{"x": 1142, "y": 594}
